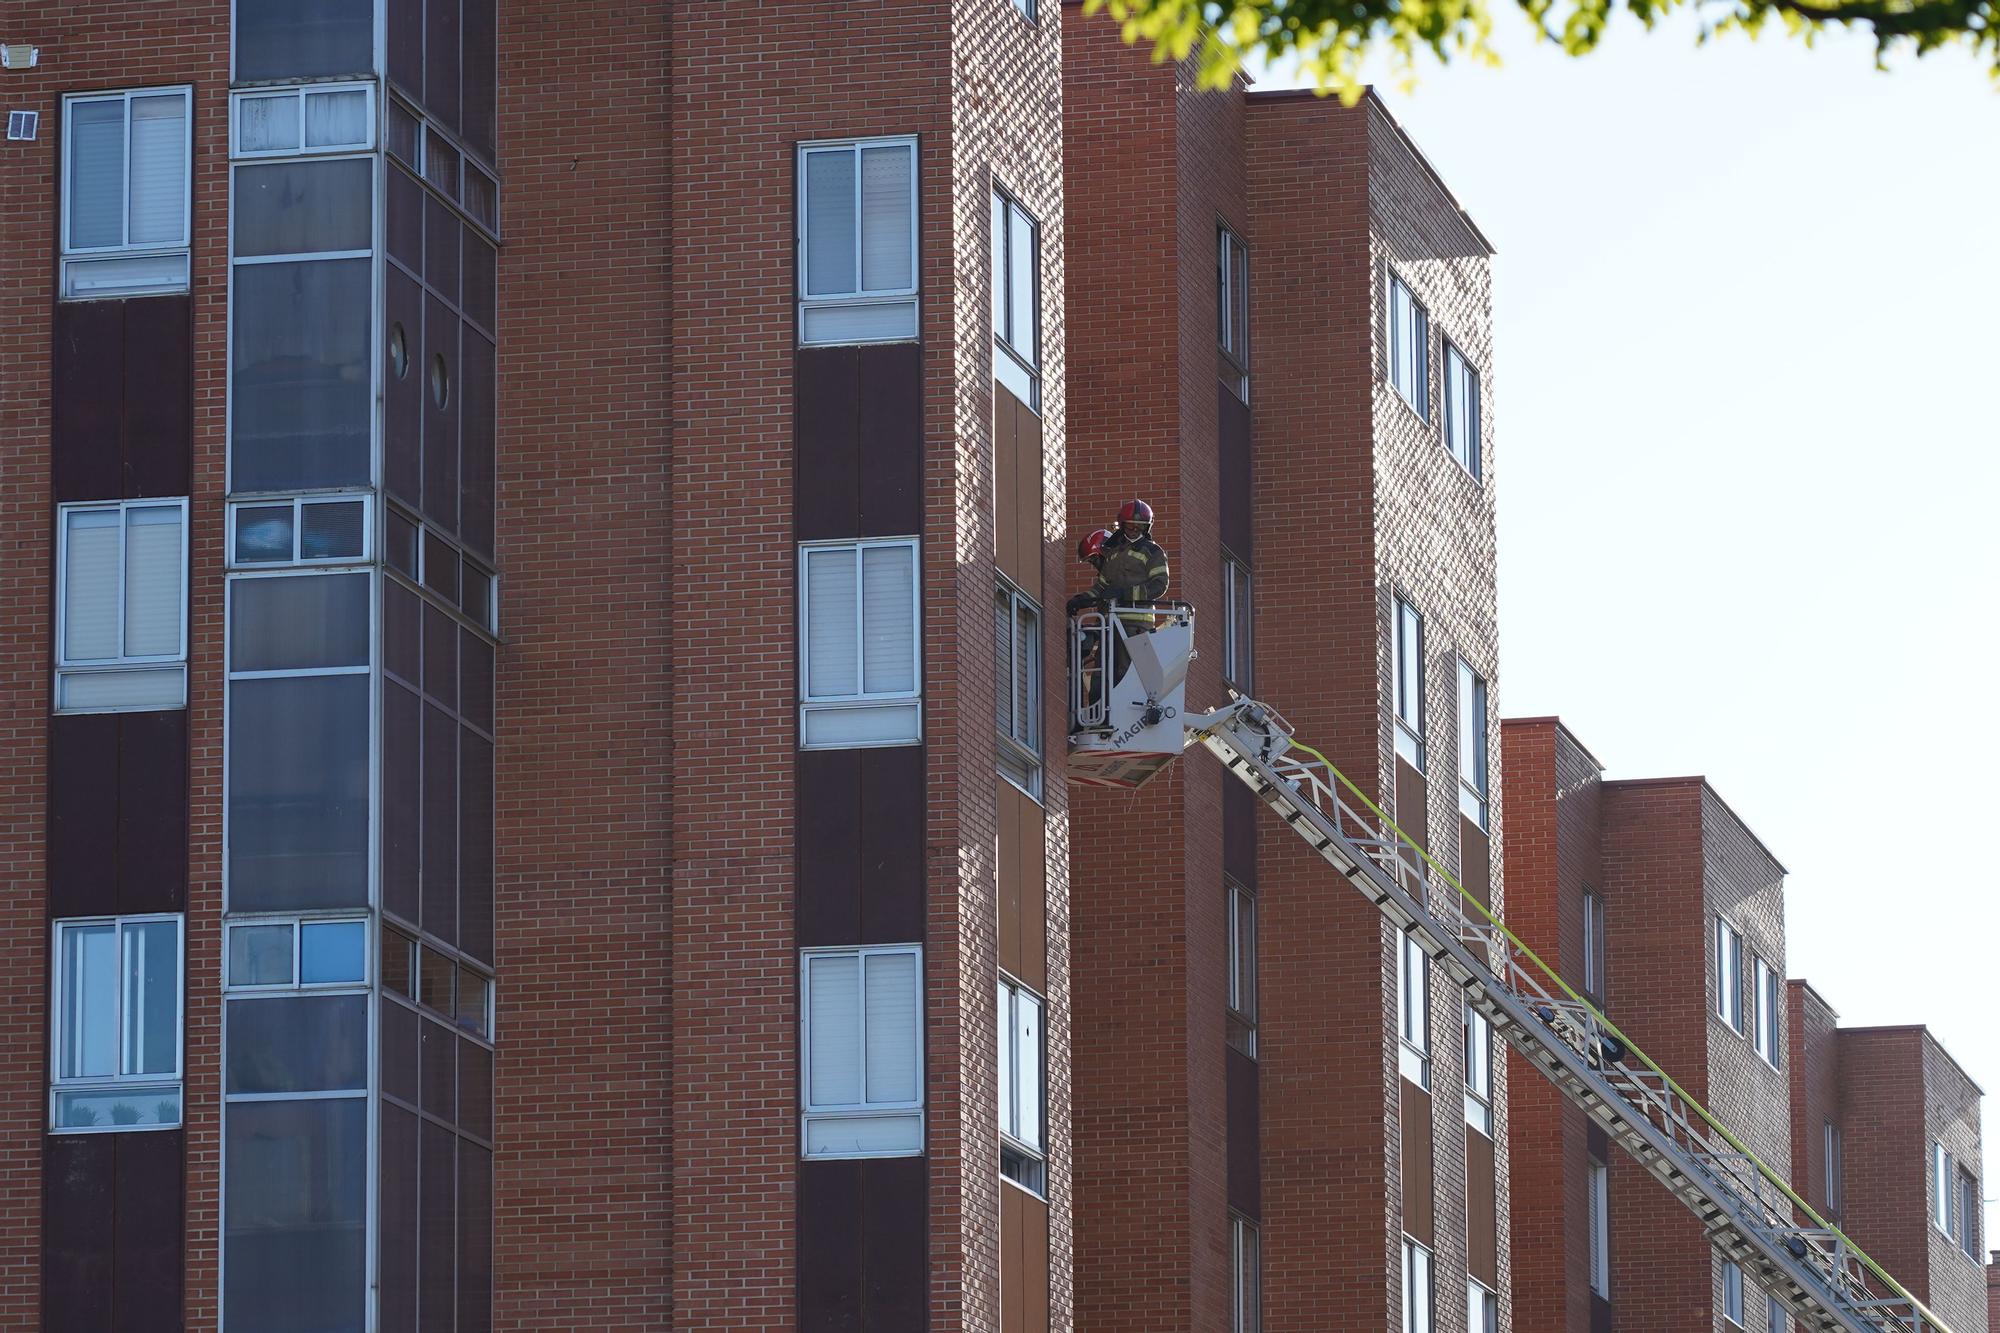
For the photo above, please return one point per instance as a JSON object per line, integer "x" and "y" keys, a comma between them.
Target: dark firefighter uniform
{"x": 1133, "y": 572}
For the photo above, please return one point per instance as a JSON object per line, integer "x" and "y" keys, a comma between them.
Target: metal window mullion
{"x": 125, "y": 181}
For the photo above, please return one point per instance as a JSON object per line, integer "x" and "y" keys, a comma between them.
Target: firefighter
{"x": 1131, "y": 568}
{"x": 1090, "y": 551}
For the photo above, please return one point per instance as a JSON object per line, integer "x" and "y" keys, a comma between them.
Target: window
{"x": 1017, "y": 295}
{"x": 1830, "y": 1164}
{"x": 303, "y": 120}
{"x": 1027, "y": 8}
{"x": 318, "y": 531}
{"x": 1242, "y": 1020}
{"x": 858, "y": 241}
{"x": 863, "y": 1052}
{"x": 1246, "y": 1276}
{"x": 1774, "y": 1315}
{"x": 1482, "y": 1307}
{"x": 1018, "y": 1030}
{"x": 1472, "y": 768}
{"x": 125, "y": 193}
{"x": 1413, "y": 1009}
{"x": 858, "y": 624}
{"x": 1593, "y": 945}
{"x": 1732, "y": 1292}
{"x": 1478, "y": 1071}
{"x": 1236, "y": 624}
{"x": 1461, "y": 409}
{"x": 1416, "y": 1287}
{"x": 1017, "y": 687}
{"x": 1940, "y": 1188}
{"x": 304, "y": 39}
{"x": 294, "y": 954}
{"x": 1968, "y": 1213}
{"x": 1767, "y": 997}
{"x": 121, "y": 608}
{"x": 116, "y": 1024}
{"x": 1728, "y": 974}
{"x": 1232, "y": 308}
{"x": 1409, "y": 347}
{"x": 1599, "y": 1210}
{"x": 1409, "y": 678}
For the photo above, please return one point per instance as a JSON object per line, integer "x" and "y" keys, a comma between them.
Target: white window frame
{"x": 1021, "y": 374}
{"x": 58, "y": 1030}
{"x": 1239, "y": 587}
{"x": 1413, "y": 1009}
{"x": 1593, "y": 945}
{"x": 808, "y": 702}
{"x": 1242, "y": 997}
{"x": 1597, "y": 1210}
{"x": 1417, "y": 392}
{"x": 125, "y": 249}
{"x": 1732, "y": 1292}
{"x": 299, "y": 505}
{"x": 1729, "y": 976}
{"x": 884, "y": 296}
{"x": 1474, "y": 732}
{"x": 1943, "y": 1183}
{"x": 297, "y": 924}
{"x": 1482, "y": 1307}
{"x": 1466, "y": 376}
{"x": 1968, "y": 1219}
{"x": 1234, "y": 341}
{"x": 1764, "y": 1011}
{"x": 298, "y": 94}
{"x": 175, "y": 662}
{"x": 809, "y": 1111}
{"x": 1419, "y": 1271}
{"x": 1831, "y": 1168}
{"x": 1478, "y": 1031}
{"x": 1246, "y": 1275}
{"x": 1009, "y": 996}
{"x": 1409, "y": 712}
{"x": 1021, "y": 762}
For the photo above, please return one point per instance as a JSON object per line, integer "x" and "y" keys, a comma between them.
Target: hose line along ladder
{"x": 1750, "y": 1214}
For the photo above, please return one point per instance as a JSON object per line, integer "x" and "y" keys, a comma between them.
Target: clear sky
{"x": 1747, "y": 455}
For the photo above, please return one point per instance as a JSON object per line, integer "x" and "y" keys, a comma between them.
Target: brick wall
{"x": 1813, "y": 1052}
{"x": 1888, "y": 1151}
{"x": 1951, "y": 1117}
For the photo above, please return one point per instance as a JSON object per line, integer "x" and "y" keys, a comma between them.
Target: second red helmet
{"x": 1136, "y": 511}
{"x": 1092, "y": 546}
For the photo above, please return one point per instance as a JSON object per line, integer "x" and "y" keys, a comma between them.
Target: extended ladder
{"x": 1748, "y": 1211}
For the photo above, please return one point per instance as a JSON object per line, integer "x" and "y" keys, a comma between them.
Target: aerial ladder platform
{"x": 1129, "y": 723}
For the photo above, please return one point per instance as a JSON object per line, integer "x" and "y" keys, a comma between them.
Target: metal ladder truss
{"x": 1752, "y": 1216}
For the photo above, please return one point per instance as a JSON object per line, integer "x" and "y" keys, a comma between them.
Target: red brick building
{"x": 1886, "y": 1142}
{"x": 1278, "y": 322}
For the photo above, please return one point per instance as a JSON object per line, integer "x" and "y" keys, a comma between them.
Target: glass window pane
{"x": 267, "y": 124}
{"x": 301, "y": 394}
{"x": 303, "y": 39}
{"x": 336, "y": 118}
{"x": 159, "y": 170}
{"x": 152, "y": 1037}
{"x": 332, "y": 951}
{"x": 1023, "y": 253}
{"x": 137, "y": 1107}
{"x": 399, "y": 1052}
{"x": 294, "y": 1218}
{"x": 833, "y": 666}
{"x": 154, "y": 581}
{"x": 997, "y": 258}
{"x": 297, "y": 208}
{"x": 892, "y": 1003}
{"x": 92, "y": 626}
{"x": 1027, "y": 671}
{"x": 1003, "y": 661}
{"x": 474, "y": 992}
{"x": 263, "y": 533}
{"x": 332, "y": 531}
{"x": 889, "y": 627}
{"x": 1028, "y": 1065}
{"x": 888, "y": 252}
{"x": 298, "y": 793}
{"x": 292, "y": 624}
{"x": 475, "y": 1089}
{"x": 829, "y": 208}
{"x": 1003, "y": 1029}
{"x": 96, "y": 173}
{"x": 260, "y": 955}
{"x": 305, "y": 1043}
{"x": 434, "y": 980}
{"x": 438, "y": 1070}
{"x": 437, "y": 1226}
{"x": 89, "y": 1002}
{"x": 833, "y": 1015}
{"x": 398, "y": 963}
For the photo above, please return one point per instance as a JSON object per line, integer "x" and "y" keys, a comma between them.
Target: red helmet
{"x": 1136, "y": 511}
{"x": 1092, "y": 546}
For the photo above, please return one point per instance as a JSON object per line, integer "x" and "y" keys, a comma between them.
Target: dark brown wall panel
{"x": 1246, "y": 1176}
{"x": 861, "y": 874}
{"x": 112, "y": 1223}
{"x": 1419, "y": 1171}
{"x": 859, "y": 442}
{"x": 1475, "y": 857}
{"x": 1007, "y": 875}
{"x": 117, "y": 813}
{"x": 1006, "y": 494}
{"x": 123, "y": 420}
{"x": 1232, "y": 424}
{"x": 1239, "y": 834}
{"x": 1027, "y": 540}
{"x": 1031, "y": 855}
{"x": 861, "y": 1246}
{"x": 1482, "y": 1210}
{"x": 1024, "y": 1262}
